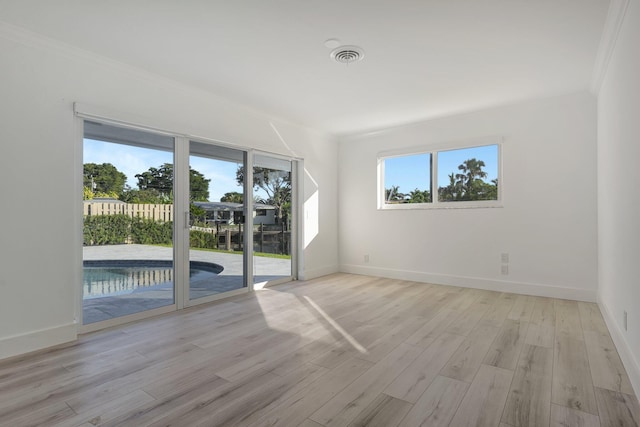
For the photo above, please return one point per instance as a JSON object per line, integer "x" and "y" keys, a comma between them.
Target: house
{"x": 233, "y": 213}
{"x": 556, "y": 83}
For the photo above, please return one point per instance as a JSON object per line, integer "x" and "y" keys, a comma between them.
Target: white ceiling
{"x": 424, "y": 58}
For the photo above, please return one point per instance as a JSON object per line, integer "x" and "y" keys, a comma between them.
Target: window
{"x": 407, "y": 179}
{"x": 465, "y": 176}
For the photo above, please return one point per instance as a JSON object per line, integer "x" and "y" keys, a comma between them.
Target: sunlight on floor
{"x": 307, "y": 321}
{"x": 337, "y": 327}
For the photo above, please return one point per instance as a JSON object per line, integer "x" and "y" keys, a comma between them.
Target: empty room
{"x": 319, "y": 214}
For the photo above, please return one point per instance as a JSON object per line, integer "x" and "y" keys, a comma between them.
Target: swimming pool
{"x": 120, "y": 277}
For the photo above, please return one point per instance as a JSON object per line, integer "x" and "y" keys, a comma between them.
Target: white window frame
{"x": 434, "y": 149}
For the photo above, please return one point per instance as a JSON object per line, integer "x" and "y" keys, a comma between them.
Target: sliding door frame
{"x": 103, "y": 324}
{"x": 184, "y": 251}
{"x": 296, "y": 220}
{"x": 181, "y": 218}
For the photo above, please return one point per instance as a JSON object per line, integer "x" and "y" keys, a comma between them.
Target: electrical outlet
{"x": 504, "y": 258}
{"x": 504, "y": 269}
{"x": 624, "y": 320}
{"x": 366, "y": 258}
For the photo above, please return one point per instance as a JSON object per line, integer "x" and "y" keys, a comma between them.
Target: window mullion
{"x": 434, "y": 177}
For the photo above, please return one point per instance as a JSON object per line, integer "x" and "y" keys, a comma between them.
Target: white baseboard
{"x": 631, "y": 364}
{"x": 477, "y": 283}
{"x": 318, "y": 272}
{"x": 37, "y": 340}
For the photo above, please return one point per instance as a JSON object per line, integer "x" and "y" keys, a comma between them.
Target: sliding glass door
{"x": 169, "y": 223}
{"x": 216, "y": 221}
{"x": 273, "y": 219}
{"x": 127, "y": 223}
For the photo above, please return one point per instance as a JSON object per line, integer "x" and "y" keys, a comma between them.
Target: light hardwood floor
{"x": 343, "y": 350}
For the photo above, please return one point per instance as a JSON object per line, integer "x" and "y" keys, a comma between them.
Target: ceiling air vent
{"x": 347, "y": 54}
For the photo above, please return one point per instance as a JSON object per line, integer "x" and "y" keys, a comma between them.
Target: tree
{"x": 232, "y": 197}
{"x": 161, "y": 180}
{"x": 471, "y": 178}
{"x": 87, "y": 194}
{"x": 487, "y": 191}
{"x": 418, "y": 196}
{"x": 276, "y": 184}
{"x": 451, "y": 192}
{"x": 198, "y": 186}
{"x": 198, "y": 214}
{"x": 158, "y": 179}
{"x": 147, "y": 196}
{"x": 393, "y": 194}
{"x": 104, "y": 179}
{"x": 469, "y": 184}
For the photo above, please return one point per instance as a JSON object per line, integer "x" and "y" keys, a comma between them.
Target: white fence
{"x": 156, "y": 212}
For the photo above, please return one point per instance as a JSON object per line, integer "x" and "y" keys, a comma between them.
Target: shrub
{"x": 118, "y": 229}
{"x": 202, "y": 239}
{"x": 149, "y": 232}
{"x": 106, "y": 229}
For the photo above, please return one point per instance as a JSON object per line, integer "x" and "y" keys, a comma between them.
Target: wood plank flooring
{"x": 342, "y": 350}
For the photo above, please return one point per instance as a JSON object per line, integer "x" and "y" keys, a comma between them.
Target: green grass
{"x": 222, "y": 251}
{"x": 268, "y": 255}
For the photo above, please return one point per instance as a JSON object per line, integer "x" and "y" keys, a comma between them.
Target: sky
{"x": 408, "y": 172}
{"x": 411, "y": 172}
{"x": 132, "y": 160}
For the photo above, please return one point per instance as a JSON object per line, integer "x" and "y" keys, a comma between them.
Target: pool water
{"x": 120, "y": 277}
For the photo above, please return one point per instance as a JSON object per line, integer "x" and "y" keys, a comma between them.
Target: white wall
{"x": 619, "y": 192}
{"x": 547, "y": 225}
{"x": 41, "y": 165}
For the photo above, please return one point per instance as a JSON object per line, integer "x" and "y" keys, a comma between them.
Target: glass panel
{"x": 407, "y": 179}
{"x": 468, "y": 174}
{"x": 128, "y": 222}
{"x": 217, "y": 223}
{"x": 272, "y": 219}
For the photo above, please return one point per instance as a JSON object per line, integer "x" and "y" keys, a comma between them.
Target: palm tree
{"x": 393, "y": 194}
{"x": 471, "y": 178}
{"x": 452, "y": 191}
{"x": 419, "y": 196}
